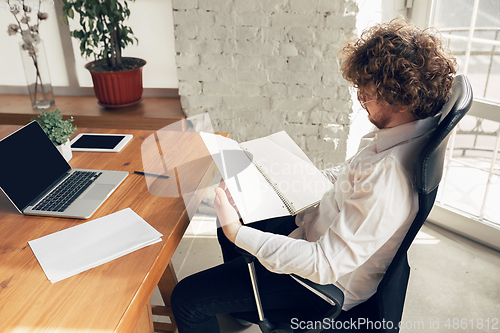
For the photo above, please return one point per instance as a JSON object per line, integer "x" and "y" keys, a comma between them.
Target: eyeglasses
{"x": 361, "y": 99}
{"x": 363, "y": 103}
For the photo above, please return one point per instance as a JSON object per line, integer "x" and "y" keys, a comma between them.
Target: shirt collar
{"x": 389, "y": 137}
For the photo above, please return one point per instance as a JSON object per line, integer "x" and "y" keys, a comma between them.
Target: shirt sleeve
{"x": 380, "y": 202}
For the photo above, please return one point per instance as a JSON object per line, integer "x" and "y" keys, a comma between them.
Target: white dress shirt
{"x": 350, "y": 238}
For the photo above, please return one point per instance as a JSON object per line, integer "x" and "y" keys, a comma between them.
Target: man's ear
{"x": 402, "y": 109}
{"x": 405, "y": 113}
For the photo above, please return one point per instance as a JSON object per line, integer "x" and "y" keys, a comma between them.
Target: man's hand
{"x": 227, "y": 213}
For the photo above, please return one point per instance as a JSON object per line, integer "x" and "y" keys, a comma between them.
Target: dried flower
{"x": 12, "y": 29}
{"x": 29, "y": 32}
{"x": 28, "y": 38}
{"x": 25, "y": 19}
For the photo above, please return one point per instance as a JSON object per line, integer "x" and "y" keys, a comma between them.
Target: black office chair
{"x": 386, "y": 305}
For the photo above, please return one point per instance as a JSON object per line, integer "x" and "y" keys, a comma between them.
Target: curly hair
{"x": 403, "y": 65}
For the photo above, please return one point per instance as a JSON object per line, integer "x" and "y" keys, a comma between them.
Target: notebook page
{"x": 255, "y": 198}
{"x": 283, "y": 140}
{"x": 299, "y": 180}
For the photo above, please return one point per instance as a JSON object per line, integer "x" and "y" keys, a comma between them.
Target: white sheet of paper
{"x": 88, "y": 245}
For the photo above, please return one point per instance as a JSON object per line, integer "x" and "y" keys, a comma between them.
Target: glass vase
{"x": 37, "y": 74}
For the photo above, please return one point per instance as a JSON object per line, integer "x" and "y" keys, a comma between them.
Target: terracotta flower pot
{"x": 116, "y": 89}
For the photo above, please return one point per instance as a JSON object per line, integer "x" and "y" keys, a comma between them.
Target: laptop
{"x": 38, "y": 181}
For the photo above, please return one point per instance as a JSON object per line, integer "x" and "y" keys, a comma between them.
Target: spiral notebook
{"x": 267, "y": 177}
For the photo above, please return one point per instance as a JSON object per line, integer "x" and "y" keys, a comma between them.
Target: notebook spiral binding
{"x": 287, "y": 203}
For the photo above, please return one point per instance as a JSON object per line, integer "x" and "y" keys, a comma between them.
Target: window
{"x": 467, "y": 197}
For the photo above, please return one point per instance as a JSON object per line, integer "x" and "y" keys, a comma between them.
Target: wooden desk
{"x": 111, "y": 297}
{"x": 150, "y": 113}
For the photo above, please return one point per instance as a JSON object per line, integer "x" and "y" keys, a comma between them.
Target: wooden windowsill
{"x": 151, "y": 113}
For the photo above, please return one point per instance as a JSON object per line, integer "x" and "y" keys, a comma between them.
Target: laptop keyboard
{"x": 64, "y": 194}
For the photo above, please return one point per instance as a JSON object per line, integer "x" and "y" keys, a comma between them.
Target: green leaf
{"x": 98, "y": 20}
{"x": 57, "y": 129}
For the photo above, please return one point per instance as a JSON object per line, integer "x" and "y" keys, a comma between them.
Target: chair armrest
{"x": 331, "y": 291}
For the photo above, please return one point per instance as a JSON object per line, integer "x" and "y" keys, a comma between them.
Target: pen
{"x": 151, "y": 174}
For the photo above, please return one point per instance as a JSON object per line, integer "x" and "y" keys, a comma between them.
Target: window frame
{"x": 468, "y": 225}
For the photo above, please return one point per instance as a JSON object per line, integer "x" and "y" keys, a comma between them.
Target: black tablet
{"x": 100, "y": 142}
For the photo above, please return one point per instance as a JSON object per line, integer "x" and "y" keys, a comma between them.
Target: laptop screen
{"x": 30, "y": 164}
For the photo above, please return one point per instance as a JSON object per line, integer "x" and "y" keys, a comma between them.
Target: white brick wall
{"x": 261, "y": 66}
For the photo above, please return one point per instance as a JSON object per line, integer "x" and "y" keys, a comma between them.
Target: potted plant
{"x": 117, "y": 80}
{"x": 58, "y": 130}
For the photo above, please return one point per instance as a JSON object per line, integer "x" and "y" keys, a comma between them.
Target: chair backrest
{"x": 431, "y": 157}
{"x": 387, "y": 303}
{"x": 430, "y": 163}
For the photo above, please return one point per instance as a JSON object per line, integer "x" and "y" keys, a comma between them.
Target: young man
{"x": 403, "y": 77}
